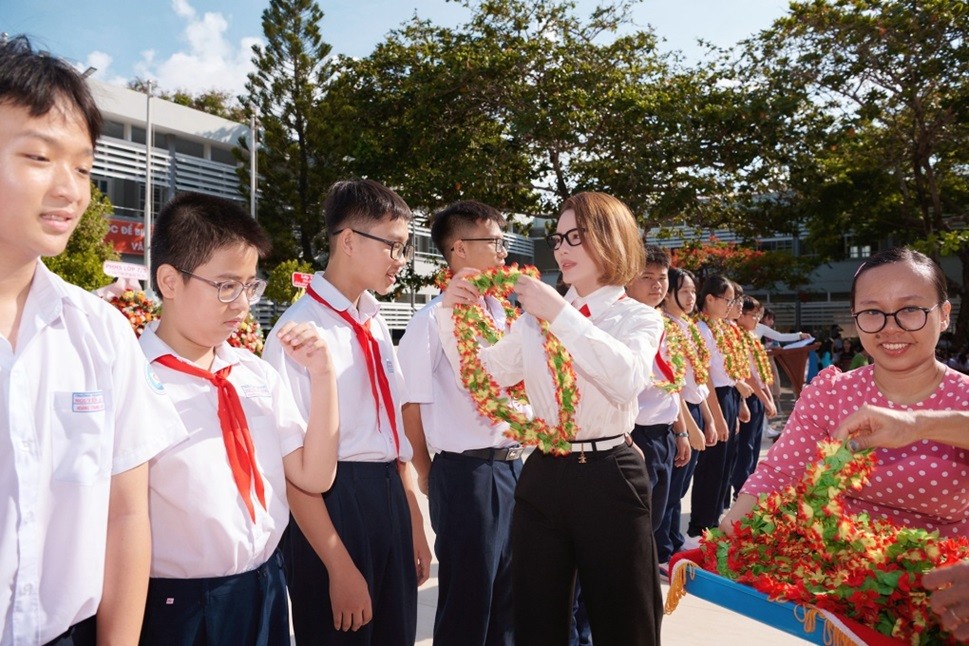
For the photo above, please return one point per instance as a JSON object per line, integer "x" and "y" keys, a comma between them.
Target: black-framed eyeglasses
{"x": 499, "y": 243}
{"x": 229, "y": 290}
{"x": 910, "y": 319}
{"x": 572, "y": 236}
{"x": 398, "y": 250}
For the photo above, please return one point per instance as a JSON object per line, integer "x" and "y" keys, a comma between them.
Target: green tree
{"x": 891, "y": 161}
{"x": 297, "y": 157}
{"x": 280, "y": 288}
{"x": 82, "y": 260}
{"x": 219, "y": 103}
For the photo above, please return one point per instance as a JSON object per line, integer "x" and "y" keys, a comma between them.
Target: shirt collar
{"x": 154, "y": 347}
{"x": 367, "y": 307}
{"x": 598, "y": 301}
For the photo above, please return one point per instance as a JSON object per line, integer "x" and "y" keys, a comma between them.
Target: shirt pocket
{"x": 81, "y": 429}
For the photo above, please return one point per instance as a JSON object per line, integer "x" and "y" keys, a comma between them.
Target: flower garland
{"x": 730, "y": 344}
{"x": 485, "y": 325}
{"x": 675, "y": 346}
{"x": 248, "y": 335}
{"x": 487, "y": 394}
{"x": 696, "y": 350}
{"x": 137, "y": 308}
{"x": 799, "y": 545}
{"x": 759, "y": 353}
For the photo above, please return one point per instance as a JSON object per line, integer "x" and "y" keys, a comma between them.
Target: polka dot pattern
{"x": 925, "y": 484}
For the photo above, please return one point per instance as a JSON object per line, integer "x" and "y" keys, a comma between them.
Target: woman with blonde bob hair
{"x": 586, "y": 513}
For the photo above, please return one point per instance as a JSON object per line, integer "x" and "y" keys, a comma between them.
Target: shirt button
{"x": 27, "y": 589}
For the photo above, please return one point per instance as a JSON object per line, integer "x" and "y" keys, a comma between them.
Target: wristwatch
{"x": 681, "y": 434}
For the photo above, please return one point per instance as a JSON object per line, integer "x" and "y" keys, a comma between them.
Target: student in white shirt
{"x": 81, "y": 410}
{"x": 355, "y": 556}
{"x": 218, "y": 500}
{"x": 587, "y": 512}
{"x": 471, "y": 483}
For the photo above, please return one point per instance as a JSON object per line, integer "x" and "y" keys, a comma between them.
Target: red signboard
{"x": 127, "y": 236}
{"x": 301, "y": 280}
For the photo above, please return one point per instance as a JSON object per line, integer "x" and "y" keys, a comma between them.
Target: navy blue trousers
{"x": 83, "y": 633}
{"x": 369, "y": 510}
{"x": 471, "y": 504}
{"x": 659, "y": 449}
{"x": 709, "y": 477}
{"x": 669, "y": 540}
{"x": 247, "y": 609}
{"x": 748, "y": 445}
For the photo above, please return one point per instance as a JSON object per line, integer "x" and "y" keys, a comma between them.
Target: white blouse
{"x": 612, "y": 352}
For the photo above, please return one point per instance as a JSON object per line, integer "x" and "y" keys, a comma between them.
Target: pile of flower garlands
{"x": 248, "y": 335}
{"x": 470, "y": 323}
{"x": 799, "y": 545}
{"x": 137, "y": 307}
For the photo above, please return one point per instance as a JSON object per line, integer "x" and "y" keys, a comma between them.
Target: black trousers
{"x": 592, "y": 519}
{"x": 659, "y": 448}
{"x": 83, "y": 633}
{"x": 369, "y": 510}
{"x": 710, "y": 478}
{"x": 247, "y": 609}
{"x": 471, "y": 504}
{"x": 748, "y": 445}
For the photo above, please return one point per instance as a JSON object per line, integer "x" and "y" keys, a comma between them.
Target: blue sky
{"x": 204, "y": 44}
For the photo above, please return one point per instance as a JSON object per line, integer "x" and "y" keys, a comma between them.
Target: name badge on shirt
{"x": 89, "y": 402}
{"x": 255, "y": 390}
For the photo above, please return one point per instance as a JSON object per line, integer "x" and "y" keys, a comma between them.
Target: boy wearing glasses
{"x": 80, "y": 411}
{"x": 355, "y": 557}
{"x": 218, "y": 499}
{"x": 471, "y": 483}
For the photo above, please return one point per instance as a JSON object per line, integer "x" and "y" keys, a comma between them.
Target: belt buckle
{"x": 514, "y": 452}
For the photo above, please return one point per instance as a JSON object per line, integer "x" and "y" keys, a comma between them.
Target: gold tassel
{"x": 678, "y": 586}
{"x": 832, "y": 635}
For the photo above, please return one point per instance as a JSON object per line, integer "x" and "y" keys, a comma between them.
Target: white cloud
{"x": 101, "y": 62}
{"x": 208, "y": 59}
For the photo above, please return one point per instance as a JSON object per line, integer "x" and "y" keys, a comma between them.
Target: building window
{"x": 137, "y": 135}
{"x": 112, "y": 129}
{"x": 857, "y": 252}
{"x": 188, "y": 147}
{"x": 223, "y": 156}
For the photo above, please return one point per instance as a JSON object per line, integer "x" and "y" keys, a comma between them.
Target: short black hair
{"x": 456, "y": 218}
{"x": 751, "y": 304}
{"x": 738, "y": 289}
{"x": 769, "y": 313}
{"x": 912, "y": 257}
{"x": 657, "y": 255}
{"x": 193, "y": 226}
{"x": 715, "y": 285}
{"x": 677, "y": 276}
{"x": 359, "y": 202}
{"x": 38, "y": 81}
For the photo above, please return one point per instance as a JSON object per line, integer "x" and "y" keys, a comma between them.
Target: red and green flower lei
{"x": 470, "y": 324}
{"x": 759, "y": 353}
{"x": 730, "y": 344}
{"x": 800, "y": 545}
{"x": 695, "y": 350}
{"x": 676, "y": 352}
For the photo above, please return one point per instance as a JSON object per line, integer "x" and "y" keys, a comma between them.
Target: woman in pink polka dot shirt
{"x": 900, "y": 306}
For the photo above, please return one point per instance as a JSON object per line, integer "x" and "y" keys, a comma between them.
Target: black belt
{"x": 506, "y": 454}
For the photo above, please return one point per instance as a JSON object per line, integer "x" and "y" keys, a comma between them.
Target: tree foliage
{"x": 219, "y": 103}
{"x": 82, "y": 260}
{"x": 886, "y": 85}
{"x": 280, "y": 282}
{"x": 297, "y": 158}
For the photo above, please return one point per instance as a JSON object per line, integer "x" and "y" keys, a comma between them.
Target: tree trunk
{"x": 962, "y": 322}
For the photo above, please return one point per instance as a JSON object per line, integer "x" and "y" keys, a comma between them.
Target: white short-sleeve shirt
{"x": 449, "y": 416}
{"x": 200, "y": 526}
{"x": 364, "y": 436}
{"x": 78, "y": 404}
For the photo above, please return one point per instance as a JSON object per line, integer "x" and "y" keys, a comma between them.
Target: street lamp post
{"x": 149, "y": 193}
